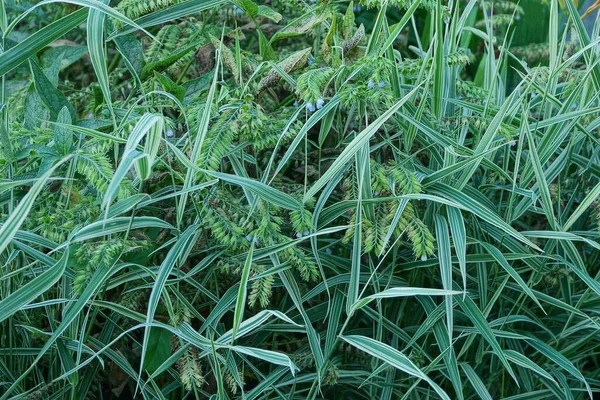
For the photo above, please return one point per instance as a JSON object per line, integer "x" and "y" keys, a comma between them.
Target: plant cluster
{"x": 297, "y": 199}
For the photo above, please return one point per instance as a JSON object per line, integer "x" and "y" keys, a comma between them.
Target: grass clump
{"x": 298, "y": 200}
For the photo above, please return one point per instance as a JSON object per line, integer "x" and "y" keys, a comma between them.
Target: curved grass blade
{"x": 20, "y": 53}
{"x": 240, "y": 304}
{"x": 10, "y": 228}
{"x": 355, "y": 145}
{"x": 393, "y": 357}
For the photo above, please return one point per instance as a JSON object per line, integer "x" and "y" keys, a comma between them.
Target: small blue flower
{"x": 313, "y": 1}
{"x": 170, "y": 133}
{"x": 249, "y": 238}
{"x": 255, "y": 240}
{"x": 328, "y": 251}
{"x": 357, "y": 8}
{"x": 306, "y": 233}
{"x": 423, "y": 258}
{"x": 517, "y": 17}
{"x": 296, "y": 103}
{"x": 310, "y": 107}
{"x": 311, "y": 60}
{"x": 375, "y": 194}
{"x": 320, "y": 103}
{"x": 512, "y": 143}
{"x": 299, "y": 235}
{"x": 238, "y": 10}
{"x": 382, "y": 84}
{"x": 574, "y": 106}
{"x": 371, "y": 84}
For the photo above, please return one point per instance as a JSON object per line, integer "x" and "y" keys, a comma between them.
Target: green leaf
{"x": 267, "y": 12}
{"x": 402, "y": 292}
{"x": 17, "y": 217}
{"x": 475, "y": 315}
{"x": 358, "y": 142}
{"x": 169, "y": 14}
{"x": 18, "y": 54}
{"x": 33, "y": 289}
{"x": 159, "y": 345}
{"x": 445, "y": 257}
{"x": 476, "y": 382}
{"x": 97, "y": 50}
{"x": 497, "y": 254}
{"x": 52, "y": 97}
{"x": 582, "y": 207}
{"x": 170, "y": 86}
{"x": 240, "y": 304}
{"x": 393, "y": 357}
{"x": 472, "y": 205}
{"x": 176, "y": 255}
{"x": 265, "y": 192}
{"x": 150, "y": 127}
{"x": 63, "y": 136}
{"x": 248, "y": 6}
{"x": 459, "y": 238}
{"x": 132, "y": 51}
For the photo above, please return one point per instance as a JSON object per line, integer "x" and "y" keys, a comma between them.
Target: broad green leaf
{"x": 62, "y": 136}
{"x": 159, "y": 345}
{"x": 52, "y": 97}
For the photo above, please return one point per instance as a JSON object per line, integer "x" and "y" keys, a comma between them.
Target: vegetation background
{"x": 299, "y": 199}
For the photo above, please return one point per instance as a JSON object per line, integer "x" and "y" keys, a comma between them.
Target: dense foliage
{"x": 374, "y": 200}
